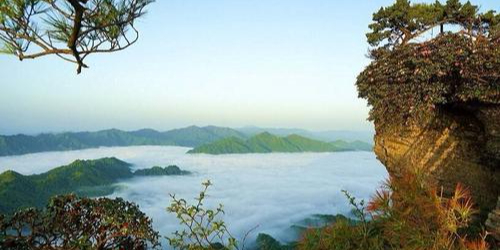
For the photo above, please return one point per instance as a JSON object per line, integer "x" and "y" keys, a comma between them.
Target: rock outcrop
{"x": 493, "y": 222}
{"x": 460, "y": 145}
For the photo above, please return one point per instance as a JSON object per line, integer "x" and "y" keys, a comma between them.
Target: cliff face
{"x": 460, "y": 145}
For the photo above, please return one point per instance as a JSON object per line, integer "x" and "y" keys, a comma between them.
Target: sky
{"x": 269, "y": 63}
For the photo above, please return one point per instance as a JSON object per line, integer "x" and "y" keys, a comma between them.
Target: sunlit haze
{"x": 231, "y": 63}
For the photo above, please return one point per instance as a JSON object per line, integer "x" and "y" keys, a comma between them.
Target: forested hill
{"x": 267, "y": 143}
{"x": 83, "y": 177}
{"x": 188, "y": 137}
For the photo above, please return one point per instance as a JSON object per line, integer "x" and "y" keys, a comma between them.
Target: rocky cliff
{"x": 436, "y": 101}
{"x": 459, "y": 145}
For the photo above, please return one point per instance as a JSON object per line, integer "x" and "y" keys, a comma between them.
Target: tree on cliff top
{"x": 403, "y": 22}
{"x": 413, "y": 77}
{"x": 69, "y": 29}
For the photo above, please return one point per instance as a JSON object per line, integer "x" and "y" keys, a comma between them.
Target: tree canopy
{"x": 413, "y": 77}
{"x": 69, "y": 29}
{"x": 403, "y": 21}
{"x": 69, "y": 222}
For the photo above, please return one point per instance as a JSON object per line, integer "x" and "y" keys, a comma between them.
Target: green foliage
{"x": 204, "y": 228}
{"x": 69, "y": 222}
{"x": 158, "y": 171}
{"x": 70, "y": 29}
{"x": 359, "y": 212}
{"x": 402, "y": 22}
{"x": 417, "y": 80}
{"x": 190, "y": 137}
{"x": 266, "y": 143}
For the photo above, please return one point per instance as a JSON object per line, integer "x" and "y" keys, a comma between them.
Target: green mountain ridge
{"x": 83, "y": 177}
{"x": 328, "y": 135}
{"x": 266, "y": 143}
{"x": 192, "y": 136}
{"x": 188, "y": 137}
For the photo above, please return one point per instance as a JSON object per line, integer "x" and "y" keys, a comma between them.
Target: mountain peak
{"x": 9, "y": 175}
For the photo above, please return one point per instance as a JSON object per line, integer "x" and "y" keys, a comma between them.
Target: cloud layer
{"x": 272, "y": 191}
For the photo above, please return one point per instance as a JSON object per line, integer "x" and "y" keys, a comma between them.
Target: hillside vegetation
{"x": 83, "y": 177}
{"x": 267, "y": 143}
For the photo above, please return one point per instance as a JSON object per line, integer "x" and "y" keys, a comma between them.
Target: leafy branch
{"x": 69, "y": 29}
{"x": 204, "y": 229}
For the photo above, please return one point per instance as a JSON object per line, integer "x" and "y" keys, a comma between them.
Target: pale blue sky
{"x": 271, "y": 63}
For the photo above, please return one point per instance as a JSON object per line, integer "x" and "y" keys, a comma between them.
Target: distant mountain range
{"x": 188, "y": 137}
{"x": 192, "y": 136}
{"x": 267, "y": 143}
{"x": 332, "y": 135}
{"x": 86, "y": 178}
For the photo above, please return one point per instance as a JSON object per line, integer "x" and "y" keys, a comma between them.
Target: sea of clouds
{"x": 271, "y": 191}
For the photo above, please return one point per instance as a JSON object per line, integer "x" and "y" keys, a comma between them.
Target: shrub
{"x": 410, "y": 77}
{"x": 203, "y": 227}
{"x": 413, "y": 214}
{"x": 338, "y": 236}
{"x": 345, "y": 233}
{"x": 408, "y": 212}
{"x": 415, "y": 80}
{"x": 69, "y": 222}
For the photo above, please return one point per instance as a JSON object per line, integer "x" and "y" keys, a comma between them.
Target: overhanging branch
{"x": 76, "y": 28}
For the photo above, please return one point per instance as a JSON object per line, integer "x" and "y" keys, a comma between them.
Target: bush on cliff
{"x": 413, "y": 74}
{"x": 408, "y": 212}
